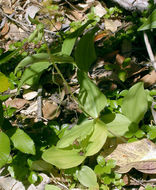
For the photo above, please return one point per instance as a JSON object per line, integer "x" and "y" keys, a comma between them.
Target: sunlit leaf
{"x": 119, "y": 126}
{"x": 87, "y": 177}
{"x": 78, "y": 132}
{"x": 4, "y": 83}
{"x": 140, "y": 155}
{"x": 135, "y": 103}
{"x": 70, "y": 40}
{"x": 63, "y": 158}
{"x": 97, "y": 139}
{"x": 150, "y": 22}
{"x": 51, "y": 187}
{"x": 4, "y": 149}
{"x": 22, "y": 141}
{"x": 90, "y": 97}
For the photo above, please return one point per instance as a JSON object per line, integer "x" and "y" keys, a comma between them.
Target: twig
{"x": 138, "y": 182}
{"x": 39, "y": 104}
{"x": 24, "y": 24}
{"x": 57, "y": 182}
{"x": 149, "y": 50}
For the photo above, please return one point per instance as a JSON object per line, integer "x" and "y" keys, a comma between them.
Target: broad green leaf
{"x": 4, "y": 83}
{"x": 41, "y": 165}
{"x": 51, "y": 187}
{"x": 43, "y": 57}
{"x": 70, "y": 40}
{"x": 4, "y": 149}
{"x": 87, "y": 177}
{"x": 32, "y": 59}
{"x": 78, "y": 132}
{"x": 97, "y": 139}
{"x": 10, "y": 56}
{"x": 32, "y": 74}
{"x": 1, "y": 114}
{"x": 85, "y": 52}
{"x": 119, "y": 126}
{"x": 63, "y": 158}
{"x": 90, "y": 97}
{"x": 150, "y": 22}
{"x": 23, "y": 142}
{"x": 135, "y": 103}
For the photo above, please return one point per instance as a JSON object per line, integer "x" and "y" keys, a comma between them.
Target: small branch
{"x": 23, "y": 25}
{"x": 149, "y": 50}
{"x": 39, "y": 104}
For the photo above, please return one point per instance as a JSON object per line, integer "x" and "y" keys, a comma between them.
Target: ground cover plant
{"x": 92, "y": 125}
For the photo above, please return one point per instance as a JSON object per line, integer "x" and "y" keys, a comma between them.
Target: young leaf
{"x": 135, "y": 103}
{"x": 4, "y": 149}
{"x": 23, "y": 142}
{"x": 90, "y": 97}
{"x": 150, "y": 23}
{"x": 51, "y": 187}
{"x": 85, "y": 52}
{"x": 4, "y": 83}
{"x": 87, "y": 177}
{"x": 119, "y": 126}
{"x": 63, "y": 158}
{"x": 78, "y": 132}
{"x": 97, "y": 139}
{"x": 69, "y": 42}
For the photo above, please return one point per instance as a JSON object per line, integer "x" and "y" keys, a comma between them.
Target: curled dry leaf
{"x": 140, "y": 155}
{"x": 17, "y": 103}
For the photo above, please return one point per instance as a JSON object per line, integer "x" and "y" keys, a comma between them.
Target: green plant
{"x": 105, "y": 117}
{"x": 108, "y": 178}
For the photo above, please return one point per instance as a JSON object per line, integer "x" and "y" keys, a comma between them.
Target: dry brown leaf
{"x": 77, "y": 15}
{"x": 7, "y": 10}
{"x": 50, "y": 110}
{"x": 112, "y": 25}
{"x": 149, "y": 79}
{"x": 31, "y": 11}
{"x": 16, "y": 103}
{"x": 31, "y": 110}
{"x": 5, "y": 29}
{"x": 29, "y": 95}
{"x": 120, "y": 59}
{"x": 140, "y": 155}
{"x": 99, "y": 10}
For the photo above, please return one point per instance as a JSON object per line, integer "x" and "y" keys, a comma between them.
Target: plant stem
{"x": 149, "y": 50}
